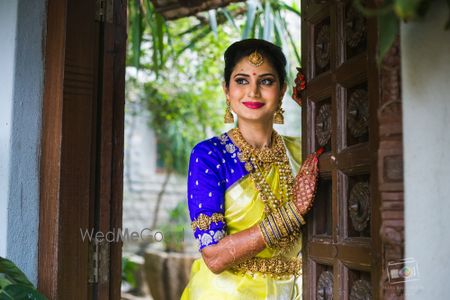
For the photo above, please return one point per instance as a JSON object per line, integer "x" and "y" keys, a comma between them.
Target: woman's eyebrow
{"x": 261, "y": 75}
{"x": 241, "y": 74}
{"x": 266, "y": 74}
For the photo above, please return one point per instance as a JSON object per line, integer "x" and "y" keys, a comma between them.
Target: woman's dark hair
{"x": 240, "y": 49}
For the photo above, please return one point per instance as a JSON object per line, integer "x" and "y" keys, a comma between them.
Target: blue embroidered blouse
{"x": 213, "y": 168}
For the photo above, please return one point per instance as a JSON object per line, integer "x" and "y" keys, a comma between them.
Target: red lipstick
{"x": 253, "y": 105}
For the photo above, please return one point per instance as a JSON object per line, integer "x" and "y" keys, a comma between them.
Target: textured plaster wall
{"x": 22, "y": 105}
{"x": 8, "y": 20}
{"x": 426, "y": 116}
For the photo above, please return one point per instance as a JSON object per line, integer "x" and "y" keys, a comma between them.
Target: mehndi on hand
{"x": 282, "y": 227}
{"x": 305, "y": 185}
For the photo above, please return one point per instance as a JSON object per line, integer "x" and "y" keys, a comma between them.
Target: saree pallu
{"x": 243, "y": 209}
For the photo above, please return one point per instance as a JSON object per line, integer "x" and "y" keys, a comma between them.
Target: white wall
{"x": 425, "y": 48}
{"x": 8, "y": 20}
{"x": 22, "y": 32}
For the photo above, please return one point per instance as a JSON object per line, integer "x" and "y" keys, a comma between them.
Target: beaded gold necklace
{"x": 258, "y": 162}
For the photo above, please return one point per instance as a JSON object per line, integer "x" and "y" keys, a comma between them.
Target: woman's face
{"x": 254, "y": 92}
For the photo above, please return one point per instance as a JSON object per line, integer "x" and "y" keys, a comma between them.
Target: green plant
{"x": 185, "y": 101}
{"x": 14, "y": 284}
{"x": 173, "y": 229}
{"x": 129, "y": 269}
{"x": 154, "y": 37}
{"x": 391, "y": 13}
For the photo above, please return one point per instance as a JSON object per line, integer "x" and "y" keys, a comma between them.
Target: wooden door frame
{"x": 49, "y": 216}
{"x": 110, "y": 153}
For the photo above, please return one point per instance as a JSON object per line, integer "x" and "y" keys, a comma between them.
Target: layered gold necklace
{"x": 259, "y": 161}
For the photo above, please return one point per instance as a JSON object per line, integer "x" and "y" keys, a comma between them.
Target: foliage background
{"x": 175, "y": 67}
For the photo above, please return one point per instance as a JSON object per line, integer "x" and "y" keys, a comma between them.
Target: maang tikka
{"x": 255, "y": 58}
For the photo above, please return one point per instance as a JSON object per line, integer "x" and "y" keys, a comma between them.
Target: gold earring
{"x": 278, "y": 117}
{"x": 229, "y": 118}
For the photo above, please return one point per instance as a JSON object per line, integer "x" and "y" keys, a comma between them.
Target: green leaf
{"x": 406, "y": 9}
{"x": 249, "y": 23}
{"x": 388, "y": 30}
{"x": 160, "y": 38}
{"x": 268, "y": 24}
{"x": 260, "y": 28}
{"x": 192, "y": 29}
{"x": 169, "y": 36}
{"x": 278, "y": 32}
{"x": 129, "y": 268}
{"x": 136, "y": 31}
{"x": 291, "y": 39}
{"x": 230, "y": 18}
{"x": 213, "y": 21}
{"x": 256, "y": 24}
{"x": 295, "y": 5}
{"x": 154, "y": 24}
{"x": 4, "y": 282}
{"x": 291, "y": 9}
{"x": 194, "y": 40}
{"x": 386, "y": 8}
{"x": 13, "y": 273}
{"x": 20, "y": 291}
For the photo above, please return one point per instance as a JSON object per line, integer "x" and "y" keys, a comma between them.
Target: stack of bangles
{"x": 280, "y": 224}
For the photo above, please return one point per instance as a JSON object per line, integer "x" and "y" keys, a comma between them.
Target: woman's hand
{"x": 233, "y": 249}
{"x": 305, "y": 185}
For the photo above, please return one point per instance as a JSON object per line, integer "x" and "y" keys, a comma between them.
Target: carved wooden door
{"x": 341, "y": 246}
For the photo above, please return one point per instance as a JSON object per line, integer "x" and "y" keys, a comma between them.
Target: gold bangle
{"x": 261, "y": 231}
{"x": 271, "y": 231}
{"x": 287, "y": 220}
{"x": 274, "y": 227}
{"x": 269, "y": 241}
{"x": 281, "y": 224}
{"x": 295, "y": 221}
{"x": 295, "y": 212}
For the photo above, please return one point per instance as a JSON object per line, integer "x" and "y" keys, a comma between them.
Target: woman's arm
{"x": 233, "y": 249}
{"x": 243, "y": 245}
{"x": 238, "y": 247}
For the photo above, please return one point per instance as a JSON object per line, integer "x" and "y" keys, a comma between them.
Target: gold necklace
{"x": 258, "y": 162}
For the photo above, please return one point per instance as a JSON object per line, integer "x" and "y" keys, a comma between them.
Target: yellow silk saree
{"x": 243, "y": 209}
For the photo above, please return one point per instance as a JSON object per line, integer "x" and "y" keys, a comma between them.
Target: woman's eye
{"x": 267, "y": 81}
{"x": 241, "y": 81}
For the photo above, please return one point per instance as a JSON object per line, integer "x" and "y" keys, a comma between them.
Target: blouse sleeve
{"x": 206, "y": 190}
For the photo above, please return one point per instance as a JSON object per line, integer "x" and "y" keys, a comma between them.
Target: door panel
{"x": 78, "y": 145}
{"x": 110, "y": 141}
{"x": 82, "y": 152}
{"x": 342, "y": 241}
